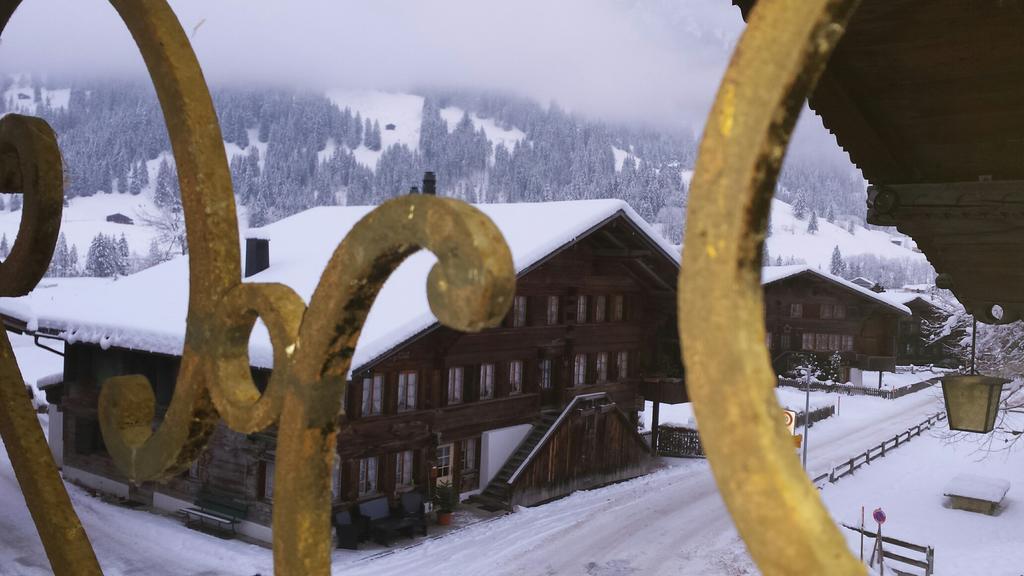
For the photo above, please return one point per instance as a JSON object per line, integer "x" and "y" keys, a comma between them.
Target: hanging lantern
{"x": 972, "y": 401}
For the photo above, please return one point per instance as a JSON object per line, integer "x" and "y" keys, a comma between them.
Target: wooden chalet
{"x": 915, "y": 346}
{"x": 523, "y": 413}
{"x": 809, "y": 312}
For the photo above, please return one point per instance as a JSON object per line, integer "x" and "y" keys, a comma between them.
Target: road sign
{"x": 878, "y": 515}
{"x": 798, "y": 440}
{"x": 790, "y": 419}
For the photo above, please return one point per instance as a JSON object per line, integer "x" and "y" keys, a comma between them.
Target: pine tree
{"x": 134, "y": 183}
{"x": 102, "y": 259}
{"x": 71, "y": 268}
{"x": 15, "y": 203}
{"x": 368, "y": 133}
{"x": 812, "y": 224}
{"x": 5, "y": 250}
{"x": 142, "y": 174}
{"x": 837, "y": 267}
{"x": 850, "y": 228}
{"x": 164, "y": 194}
{"x": 831, "y": 214}
{"x": 800, "y": 207}
{"x": 123, "y": 259}
{"x": 156, "y": 255}
{"x": 778, "y": 260}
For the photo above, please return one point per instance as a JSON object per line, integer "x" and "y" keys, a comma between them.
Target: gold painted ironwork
{"x": 721, "y": 314}
{"x": 470, "y": 288}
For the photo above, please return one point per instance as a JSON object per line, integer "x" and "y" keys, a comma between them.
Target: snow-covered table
{"x": 976, "y": 493}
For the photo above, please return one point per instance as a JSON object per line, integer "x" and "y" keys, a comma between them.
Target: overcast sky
{"x": 657, "y": 61}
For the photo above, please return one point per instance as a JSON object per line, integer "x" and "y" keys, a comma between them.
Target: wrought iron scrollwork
{"x": 470, "y": 288}
{"x": 721, "y": 314}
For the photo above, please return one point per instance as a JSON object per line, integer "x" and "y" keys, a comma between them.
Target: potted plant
{"x": 446, "y": 498}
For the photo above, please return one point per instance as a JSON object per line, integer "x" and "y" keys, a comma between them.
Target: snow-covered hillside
{"x": 790, "y": 239}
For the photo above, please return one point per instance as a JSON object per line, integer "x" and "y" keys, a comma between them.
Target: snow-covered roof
{"x": 147, "y": 310}
{"x": 772, "y": 274}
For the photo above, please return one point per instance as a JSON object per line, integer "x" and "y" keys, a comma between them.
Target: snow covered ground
{"x": 669, "y": 522}
{"x": 682, "y": 414}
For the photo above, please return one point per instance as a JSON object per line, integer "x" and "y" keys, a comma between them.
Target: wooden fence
{"x": 885, "y": 393}
{"x": 680, "y": 442}
{"x": 927, "y": 563}
{"x": 874, "y": 453}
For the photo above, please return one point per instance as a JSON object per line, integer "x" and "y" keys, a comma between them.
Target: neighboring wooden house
{"x": 523, "y": 413}
{"x": 914, "y": 344}
{"x": 118, "y": 218}
{"x": 809, "y": 312}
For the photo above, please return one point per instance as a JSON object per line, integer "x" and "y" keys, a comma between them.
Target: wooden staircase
{"x": 496, "y": 495}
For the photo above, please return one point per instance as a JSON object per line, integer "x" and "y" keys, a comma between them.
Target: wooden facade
{"x": 595, "y": 317}
{"x": 913, "y": 346}
{"x": 809, "y": 314}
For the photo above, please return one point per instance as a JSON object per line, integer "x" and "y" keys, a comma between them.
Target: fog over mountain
{"x": 650, "y": 62}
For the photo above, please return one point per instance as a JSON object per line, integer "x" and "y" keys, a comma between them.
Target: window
{"x": 486, "y": 381}
{"x": 839, "y": 311}
{"x": 768, "y": 340}
{"x": 622, "y": 364}
{"x": 545, "y": 374}
{"x": 785, "y": 341}
{"x": 336, "y": 477}
{"x": 617, "y": 308}
{"x": 600, "y": 302}
{"x": 579, "y": 370}
{"x": 821, "y": 341}
{"x": 268, "y": 480}
{"x": 444, "y": 461}
{"x": 552, "y": 310}
{"x": 519, "y": 312}
{"x": 581, "y": 309}
{"x": 808, "y": 341}
{"x": 455, "y": 385}
{"x": 834, "y": 342}
{"x": 515, "y": 377}
{"x": 407, "y": 391}
{"x": 368, "y": 476}
{"x": 403, "y": 468}
{"x": 847, "y": 343}
{"x": 602, "y": 366}
{"x": 469, "y": 455}
{"x": 796, "y": 310}
{"x": 826, "y": 311}
{"x": 372, "y": 387}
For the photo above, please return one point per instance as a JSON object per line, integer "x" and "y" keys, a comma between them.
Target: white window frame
{"x": 618, "y": 307}
{"x": 403, "y": 469}
{"x": 515, "y": 377}
{"x": 579, "y": 369}
{"x": 796, "y": 310}
{"x": 581, "y": 309}
{"x": 545, "y": 374}
{"x": 486, "y": 381}
{"x": 368, "y": 476}
{"x": 373, "y": 387}
{"x": 455, "y": 384}
{"x": 622, "y": 364}
{"x": 519, "y": 312}
{"x": 602, "y": 367}
{"x": 408, "y": 388}
{"x": 600, "y": 308}
{"x": 552, "y": 310}
{"x": 268, "y": 480}
{"x": 468, "y": 456}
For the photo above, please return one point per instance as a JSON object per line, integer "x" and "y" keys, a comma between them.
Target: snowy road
{"x": 669, "y": 522}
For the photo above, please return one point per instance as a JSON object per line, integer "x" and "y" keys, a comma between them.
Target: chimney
{"x": 429, "y": 183}
{"x": 257, "y": 255}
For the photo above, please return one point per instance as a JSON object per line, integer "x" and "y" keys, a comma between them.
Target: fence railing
{"x": 874, "y": 453}
{"x": 927, "y": 563}
{"x": 679, "y": 442}
{"x": 885, "y": 393}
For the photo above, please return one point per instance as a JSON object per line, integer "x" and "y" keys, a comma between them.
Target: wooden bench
{"x": 975, "y": 493}
{"x": 222, "y": 510}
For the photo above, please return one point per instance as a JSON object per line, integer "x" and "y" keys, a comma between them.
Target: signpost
{"x": 790, "y": 418}
{"x": 879, "y": 517}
